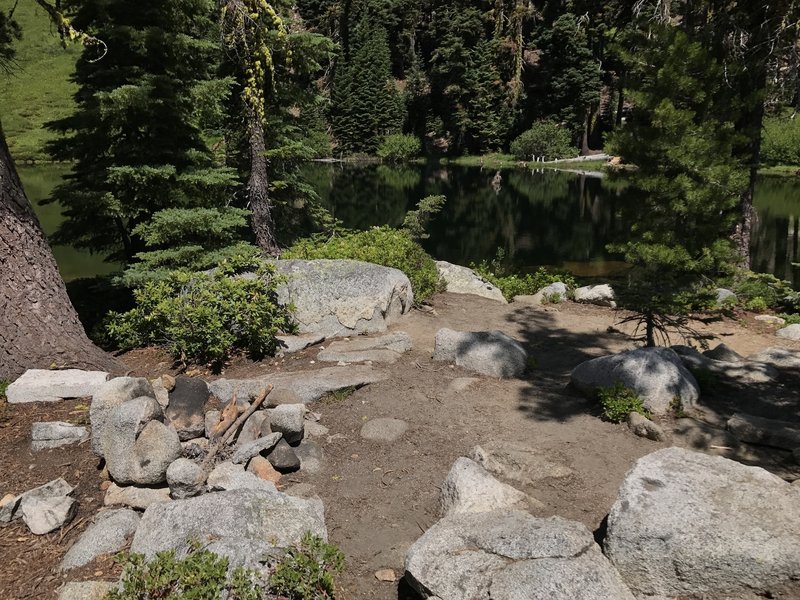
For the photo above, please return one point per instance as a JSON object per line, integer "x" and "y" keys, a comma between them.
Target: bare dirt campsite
{"x": 380, "y": 496}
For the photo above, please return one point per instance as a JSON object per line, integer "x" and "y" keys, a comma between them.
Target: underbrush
{"x": 206, "y": 316}
{"x": 305, "y": 572}
{"x": 513, "y": 284}
{"x": 385, "y": 246}
{"x": 618, "y": 401}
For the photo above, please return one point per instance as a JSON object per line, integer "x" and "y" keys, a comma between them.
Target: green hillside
{"x": 38, "y": 90}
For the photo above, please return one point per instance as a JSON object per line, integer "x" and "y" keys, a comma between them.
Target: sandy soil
{"x": 380, "y": 498}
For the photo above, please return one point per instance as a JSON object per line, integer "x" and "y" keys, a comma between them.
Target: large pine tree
{"x": 135, "y": 138}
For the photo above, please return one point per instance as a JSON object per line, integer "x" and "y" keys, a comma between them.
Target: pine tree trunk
{"x": 258, "y": 190}
{"x": 39, "y": 327}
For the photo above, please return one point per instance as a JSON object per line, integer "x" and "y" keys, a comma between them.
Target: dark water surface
{"x": 538, "y": 217}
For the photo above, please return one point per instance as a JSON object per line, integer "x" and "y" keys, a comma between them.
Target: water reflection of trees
{"x": 538, "y": 218}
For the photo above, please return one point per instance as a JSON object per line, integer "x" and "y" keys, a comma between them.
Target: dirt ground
{"x": 380, "y": 498}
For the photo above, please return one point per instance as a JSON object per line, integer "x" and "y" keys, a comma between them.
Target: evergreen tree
{"x": 687, "y": 180}
{"x": 366, "y": 105}
{"x": 135, "y": 139}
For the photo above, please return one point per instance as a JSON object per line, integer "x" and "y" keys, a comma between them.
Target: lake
{"x": 539, "y": 218}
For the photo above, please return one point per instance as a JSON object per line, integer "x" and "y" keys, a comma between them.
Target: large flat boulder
{"x": 298, "y": 386}
{"x": 601, "y": 295}
{"x": 109, "y": 532}
{"x": 657, "y": 375}
{"x": 239, "y": 517}
{"x": 790, "y": 332}
{"x": 782, "y": 359}
{"x": 54, "y": 434}
{"x": 386, "y": 349}
{"x": 343, "y": 297}
{"x": 43, "y": 385}
{"x": 689, "y": 524}
{"x": 511, "y": 555}
{"x": 491, "y": 353}
{"x": 767, "y": 432}
{"x": 463, "y": 280}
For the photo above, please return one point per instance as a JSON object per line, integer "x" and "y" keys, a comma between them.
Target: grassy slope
{"x": 38, "y": 90}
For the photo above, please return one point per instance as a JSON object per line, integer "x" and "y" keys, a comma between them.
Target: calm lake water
{"x": 538, "y": 217}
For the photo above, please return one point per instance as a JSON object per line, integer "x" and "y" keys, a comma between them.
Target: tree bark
{"x": 39, "y": 327}
{"x": 258, "y": 190}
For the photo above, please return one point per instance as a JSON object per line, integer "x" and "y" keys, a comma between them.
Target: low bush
{"x": 205, "y": 316}
{"x": 780, "y": 143}
{"x": 307, "y": 572}
{"x": 762, "y": 291}
{"x": 618, "y": 401}
{"x": 201, "y": 575}
{"x": 399, "y": 147}
{"x": 381, "y": 246}
{"x": 512, "y": 284}
{"x": 416, "y": 221}
{"x": 544, "y": 139}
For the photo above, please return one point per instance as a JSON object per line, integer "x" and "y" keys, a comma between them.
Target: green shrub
{"x": 399, "y": 147}
{"x": 780, "y": 142}
{"x": 791, "y": 319}
{"x": 762, "y": 291}
{"x": 202, "y": 575}
{"x": 201, "y": 316}
{"x": 512, "y": 284}
{"x": 619, "y": 401}
{"x": 4, "y": 383}
{"x": 544, "y": 139}
{"x": 307, "y": 572}
{"x": 381, "y": 246}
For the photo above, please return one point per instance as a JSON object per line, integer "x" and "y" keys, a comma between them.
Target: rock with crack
{"x": 109, "y": 533}
{"x": 767, "y": 432}
{"x": 55, "y": 434}
{"x": 657, "y": 375}
{"x": 44, "y": 385}
{"x": 463, "y": 280}
{"x": 137, "y": 446}
{"x": 469, "y": 488}
{"x": 52, "y": 489}
{"x": 689, "y": 524}
{"x": 343, "y": 297}
{"x": 289, "y": 344}
{"x": 256, "y": 426}
{"x": 511, "y": 555}
{"x": 236, "y": 517}
{"x": 491, "y": 353}
{"x": 298, "y": 386}
{"x": 186, "y": 408}
{"x": 43, "y": 515}
{"x": 527, "y": 465}
{"x": 109, "y": 396}
{"x": 385, "y": 349}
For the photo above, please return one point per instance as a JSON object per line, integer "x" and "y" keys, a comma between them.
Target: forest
{"x": 192, "y": 118}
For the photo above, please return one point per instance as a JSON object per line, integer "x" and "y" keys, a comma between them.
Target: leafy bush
{"x": 618, "y": 401}
{"x": 399, "y": 147}
{"x": 544, "y": 139}
{"x": 791, "y": 319}
{"x": 780, "y": 143}
{"x": 761, "y": 291}
{"x": 4, "y": 383}
{"x": 206, "y": 316}
{"x": 381, "y": 246}
{"x": 307, "y": 572}
{"x": 511, "y": 284}
{"x": 202, "y": 575}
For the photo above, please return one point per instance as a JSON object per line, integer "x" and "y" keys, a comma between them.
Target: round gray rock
{"x": 185, "y": 479}
{"x": 790, "y": 332}
{"x": 283, "y": 458}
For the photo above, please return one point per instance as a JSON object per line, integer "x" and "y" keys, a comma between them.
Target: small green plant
{"x": 201, "y": 316}
{"x": 791, "y": 319}
{"x": 762, "y": 291}
{"x": 307, "y": 571}
{"x": 513, "y": 284}
{"x": 4, "y": 383}
{"x": 618, "y": 401}
{"x": 381, "y": 246}
{"x": 201, "y": 575}
{"x": 337, "y": 396}
{"x": 676, "y": 407}
{"x": 757, "y": 304}
{"x": 399, "y": 147}
{"x": 545, "y": 139}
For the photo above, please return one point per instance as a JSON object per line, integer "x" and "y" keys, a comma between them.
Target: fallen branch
{"x": 227, "y": 418}
{"x": 209, "y": 459}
